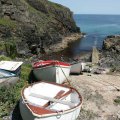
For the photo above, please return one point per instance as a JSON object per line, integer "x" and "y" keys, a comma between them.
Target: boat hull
{"x": 69, "y": 115}
{"x": 76, "y": 68}
{"x": 61, "y": 102}
{"x": 55, "y": 74}
{"x": 7, "y": 78}
{"x": 9, "y": 81}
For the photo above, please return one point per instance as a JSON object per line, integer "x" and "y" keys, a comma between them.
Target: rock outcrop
{"x": 110, "y": 56}
{"x": 112, "y": 43}
{"x": 34, "y": 25}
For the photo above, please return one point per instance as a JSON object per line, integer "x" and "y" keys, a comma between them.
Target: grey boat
{"x": 7, "y": 78}
{"x": 76, "y": 68}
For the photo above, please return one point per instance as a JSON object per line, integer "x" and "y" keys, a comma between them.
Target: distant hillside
{"x": 33, "y": 25}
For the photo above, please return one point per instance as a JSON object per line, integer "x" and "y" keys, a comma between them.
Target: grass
{"x": 117, "y": 100}
{"x": 31, "y": 9}
{"x": 43, "y": 18}
{"x": 8, "y": 22}
{"x": 2, "y": 47}
{"x": 10, "y": 96}
{"x": 9, "y": 47}
{"x": 2, "y": 57}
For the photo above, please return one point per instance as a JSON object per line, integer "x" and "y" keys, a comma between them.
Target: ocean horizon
{"x": 97, "y": 14}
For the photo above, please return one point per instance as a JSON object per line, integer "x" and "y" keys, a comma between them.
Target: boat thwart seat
{"x": 53, "y": 99}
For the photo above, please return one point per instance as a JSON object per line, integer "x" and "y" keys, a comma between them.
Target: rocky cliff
{"x": 111, "y": 52}
{"x": 31, "y": 26}
{"x": 112, "y": 43}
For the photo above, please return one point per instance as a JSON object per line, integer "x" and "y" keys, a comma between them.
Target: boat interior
{"x": 46, "y": 98}
{"x": 4, "y": 74}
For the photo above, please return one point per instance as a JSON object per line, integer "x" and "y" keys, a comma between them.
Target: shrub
{"x": 10, "y": 96}
{"x": 117, "y": 100}
{"x": 2, "y": 57}
{"x": 7, "y": 22}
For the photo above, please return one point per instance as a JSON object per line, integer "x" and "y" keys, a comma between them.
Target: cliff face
{"x": 111, "y": 53}
{"x": 112, "y": 44}
{"x": 33, "y": 25}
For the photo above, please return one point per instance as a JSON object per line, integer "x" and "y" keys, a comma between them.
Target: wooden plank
{"x": 40, "y": 111}
{"x": 53, "y": 99}
{"x": 58, "y": 95}
{"x": 61, "y": 97}
{"x": 67, "y": 93}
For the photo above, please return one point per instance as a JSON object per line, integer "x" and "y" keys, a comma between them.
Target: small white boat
{"x": 50, "y": 101}
{"x": 76, "y": 68}
{"x": 7, "y": 78}
{"x": 51, "y": 70}
{"x": 11, "y": 66}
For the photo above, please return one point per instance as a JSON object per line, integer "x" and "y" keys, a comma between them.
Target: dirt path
{"x": 99, "y": 93}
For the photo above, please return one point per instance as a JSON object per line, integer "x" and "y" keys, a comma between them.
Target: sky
{"x": 92, "y": 6}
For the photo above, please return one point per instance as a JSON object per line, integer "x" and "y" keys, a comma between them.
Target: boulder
{"x": 110, "y": 55}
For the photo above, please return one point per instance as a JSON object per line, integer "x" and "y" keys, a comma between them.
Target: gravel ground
{"x": 98, "y": 92}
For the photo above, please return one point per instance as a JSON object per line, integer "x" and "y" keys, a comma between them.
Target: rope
{"x": 64, "y": 74}
{"x": 113, "y": 85}
{"x": 116, "y": 87}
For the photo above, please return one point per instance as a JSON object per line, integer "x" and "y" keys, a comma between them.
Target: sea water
{"x": 96, "y": 27}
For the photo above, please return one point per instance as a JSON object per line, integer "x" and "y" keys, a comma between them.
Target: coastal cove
{"x": 97, "y": 28}
{"x": 57, "y": 65}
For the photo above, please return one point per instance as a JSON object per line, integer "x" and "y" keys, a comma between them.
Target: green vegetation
{"x": 9, "y": 47}
{"x": 10, "y": 96}
{"x": 31, "y": 9}
{"x": 2, "y": 47}
{"x": 58, "y": 6}
{"x": 42, "y": 18}
{"x": 117, "y": 100}
{"x": 7, "y": 22}
{"x": 2, "y": 57}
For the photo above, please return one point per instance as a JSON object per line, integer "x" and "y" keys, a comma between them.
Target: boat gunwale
{"x": 53, "y": 63}
{"x": 10, "y": 74}
{"x": 56, "y": 112}
{"x": 55, "y": 66}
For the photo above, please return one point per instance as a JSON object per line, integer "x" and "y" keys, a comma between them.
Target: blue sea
{"x": 96, "y": 27}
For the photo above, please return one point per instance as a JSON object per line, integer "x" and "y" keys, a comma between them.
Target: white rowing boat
{"x": 51, "y": 70}
{"x": 50, "y": 101}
